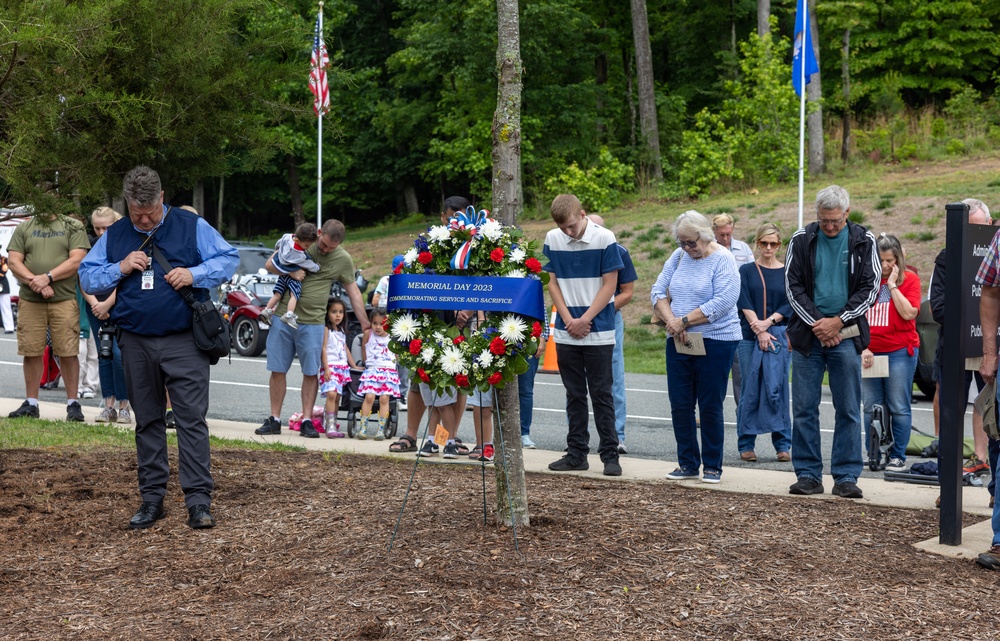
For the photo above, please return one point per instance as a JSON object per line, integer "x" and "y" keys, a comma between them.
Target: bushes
{"x": 600, "y": 187}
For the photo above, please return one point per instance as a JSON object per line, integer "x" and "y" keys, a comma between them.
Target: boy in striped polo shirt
{"x": 584, "y": 263}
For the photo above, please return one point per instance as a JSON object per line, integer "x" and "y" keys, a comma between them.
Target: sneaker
{"x": 430, "y": 448}
{"x": 974, "y": 466}
{"x": 527, "y": 443}
{"x": 450, "y": 450}
{"x": 74, "y": 413}
{"x": 569, "y": 464}
{"x": 125, "y": 416}
{"x": 806, "y": 486}
{"x": 26, "y": 410}
{"x": 847, "y": 490}
{"x": 401, "y": 403}
{"x": 488, "y": 453}
{"x": 168, "y": 418}
{"x": 612, "y": 468}
{"x": 265, "y": 315}
{"x": 107, "y": 415}
{"x": 621, "y": 448}
{"x": 290, "y": 319}
{"x": 87, "y": 394}
{"x": 896, "y": 465}
{"x": 307, "y": 430}
{"x": 711, "y": 476}
{"x": 990, "y": 560}
{"x": 271, "y": 426}
{"x": 682, "y": 473}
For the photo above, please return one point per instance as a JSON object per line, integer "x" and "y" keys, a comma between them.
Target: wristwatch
{"x": 684, "y": 321}
{"x": 49, "y": 274}
{"x": 774, "y": 321}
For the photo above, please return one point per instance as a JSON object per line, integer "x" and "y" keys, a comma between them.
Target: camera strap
{"x": 186, "y": 292}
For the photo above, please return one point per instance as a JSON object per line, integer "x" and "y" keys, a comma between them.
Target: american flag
{"x": 878, "y": 314}
{"x": 317, "y": 73}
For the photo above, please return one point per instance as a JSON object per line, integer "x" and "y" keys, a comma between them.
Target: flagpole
{"x": 802, "y": 107}
{"x": 319, "y": 151}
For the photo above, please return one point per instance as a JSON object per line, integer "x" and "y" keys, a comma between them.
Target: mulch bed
{"x": 300, "y": 552}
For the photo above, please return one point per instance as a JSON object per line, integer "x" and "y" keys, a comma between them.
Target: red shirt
{"x": 889, "y": 331}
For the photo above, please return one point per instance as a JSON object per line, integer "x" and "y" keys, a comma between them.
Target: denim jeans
{"x": 781, "y": 439}
{"x": 895, "y": 393}
{"x": 526, "y": 394}
{"x": 618, "y": 377}
{"x": 586, "y": 368}
{"x": 701, "y": 380}
{"x": 844, "y": 365}
{"x": 109, "y": 370}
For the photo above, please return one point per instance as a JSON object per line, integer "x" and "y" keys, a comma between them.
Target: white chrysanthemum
{"x": 452, "y": 361}
{"x": 427, "y": 354}
{"x": 405, "y": 327}
{"x": 492, "y": 229}
{"x": 512, "y": 329}
{"x": 485, "y": 358}
{"x": 439, "y": 233}
{"x": 439, "y": 337}
{"x": 410, "y": 256}
{"x": 517, "y": 255}
{"x": 516, "y": 273}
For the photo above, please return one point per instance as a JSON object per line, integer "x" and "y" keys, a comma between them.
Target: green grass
{"x": 645, "y": 350}
{"x": 884, "y": 203}
{"x": 917, "y": 220}
{"x": 37, "y": 433}
{"x": 857, "y": 217}
{"x": 657, "y": 253}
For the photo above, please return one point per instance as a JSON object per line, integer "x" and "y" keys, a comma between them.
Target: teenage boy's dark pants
{"x": 582, "y": 367}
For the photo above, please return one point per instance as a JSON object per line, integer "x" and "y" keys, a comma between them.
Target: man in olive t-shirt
{"x": 284, "y": 343}
{"x": 45, "y": 253}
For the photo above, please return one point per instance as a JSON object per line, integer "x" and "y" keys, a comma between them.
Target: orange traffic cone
{"x": 549, "y": 361}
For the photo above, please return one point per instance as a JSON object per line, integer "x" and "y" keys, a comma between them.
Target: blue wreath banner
{"x": 484, "y": 293}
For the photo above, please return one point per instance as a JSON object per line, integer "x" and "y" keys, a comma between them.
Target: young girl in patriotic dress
{"x": 380, "y": 377}
{"x": 336, "y": 363}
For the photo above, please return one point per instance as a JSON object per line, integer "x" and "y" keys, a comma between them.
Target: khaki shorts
{"x": 62, "y": 318}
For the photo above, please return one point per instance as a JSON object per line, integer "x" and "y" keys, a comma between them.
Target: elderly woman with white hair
{"x": 697, "y": 292}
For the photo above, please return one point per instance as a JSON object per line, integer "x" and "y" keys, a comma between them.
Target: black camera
{"x": 106, "y": 341}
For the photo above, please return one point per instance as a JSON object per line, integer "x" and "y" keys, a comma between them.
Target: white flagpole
{"x": 802, "y": 106}
{"x": 319, "y": 149}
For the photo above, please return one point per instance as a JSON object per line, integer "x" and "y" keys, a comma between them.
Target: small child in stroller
{"x": 380, "y": 377}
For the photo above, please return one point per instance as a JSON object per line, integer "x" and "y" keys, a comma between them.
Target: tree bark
{"x": 814, "y": 91}
{"x": 219, "y": 222}
{"x": 647, "y": 92}
{"x": 410, "y": 194}
{"x": 512, "y": 495}
{"x": 198, "y": 198}
{"x": 763, "y": 17}
{"x": 845, "y": 71}
{"x": 294, "y": 189}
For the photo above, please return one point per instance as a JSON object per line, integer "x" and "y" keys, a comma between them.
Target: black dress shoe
{"x": 199, "y": 517}
{"x": 148, "y": 514}
{"x": 26, "y": 410}
{"x": 307, "y": 430}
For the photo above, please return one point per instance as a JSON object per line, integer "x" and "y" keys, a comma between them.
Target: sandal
{"x": 476, "y": 452}
{"x": 406, "y": 443}
{"x": 784, "y": 457}
{"x": 748, "y": 457}
{"x": 463, "y": 450}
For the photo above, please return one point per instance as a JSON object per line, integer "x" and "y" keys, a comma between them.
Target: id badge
{"x": 147, "y": 279}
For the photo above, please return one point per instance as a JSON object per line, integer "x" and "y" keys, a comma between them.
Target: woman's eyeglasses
{"x": 768, "y": 245}
{"x": 687, "y": 244}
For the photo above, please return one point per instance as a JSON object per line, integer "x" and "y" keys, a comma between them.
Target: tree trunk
{"x": 294, "y": 189}
{"x": 845, "y": 71}
{"x": 410, "y": 194}
{"x": 512, "y": 495}
{"x": 647, "y": 92}
{"x": 218, "y": 219}
{"x": 763, "y": 17}
{"x": 627, "y": 66}
{"x": 198, "y": 198}
{"x": 601, "y": 79}
{"x": 814, "y": 91}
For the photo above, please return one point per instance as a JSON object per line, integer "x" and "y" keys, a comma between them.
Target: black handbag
{"x": 211, "y": 331}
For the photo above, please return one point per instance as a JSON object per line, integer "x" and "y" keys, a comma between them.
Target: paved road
{"x": 240, "y": 393}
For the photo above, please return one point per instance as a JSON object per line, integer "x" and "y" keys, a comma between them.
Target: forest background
{"x": 213, "y": 94}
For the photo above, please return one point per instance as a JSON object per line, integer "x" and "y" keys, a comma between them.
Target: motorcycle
{"x": 241, "y": 302}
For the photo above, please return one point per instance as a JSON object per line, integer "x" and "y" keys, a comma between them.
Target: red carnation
{"x": 497, "y": 255}
{"x": 458, "y": 340}
{"x": 423, "y": 375}
{"x": 533, "y": 265}
{"x": 462, "y": 380}
{"x": 415, "y": 346}
{"x": 494, "y": 378}
{"x": 498, "y": 347}
{"x": 536, "y": 330}
{"x": 425, "y": 257}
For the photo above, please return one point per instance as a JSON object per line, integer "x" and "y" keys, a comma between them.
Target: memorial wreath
{"x": 480, "y": 355}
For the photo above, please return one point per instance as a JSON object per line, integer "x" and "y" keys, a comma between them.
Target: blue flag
{"x": 803, "y": 39}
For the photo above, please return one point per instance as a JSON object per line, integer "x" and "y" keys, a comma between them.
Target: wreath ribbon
{"x": 468, "y": 221}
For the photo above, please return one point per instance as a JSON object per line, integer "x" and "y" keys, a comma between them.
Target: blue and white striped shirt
{"x": 579, "y": 266}
{"x": 711, "y": 284}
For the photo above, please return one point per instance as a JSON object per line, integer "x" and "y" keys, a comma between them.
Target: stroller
{"x": 880, "y": 438}
{"x": 351, "y": 401}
